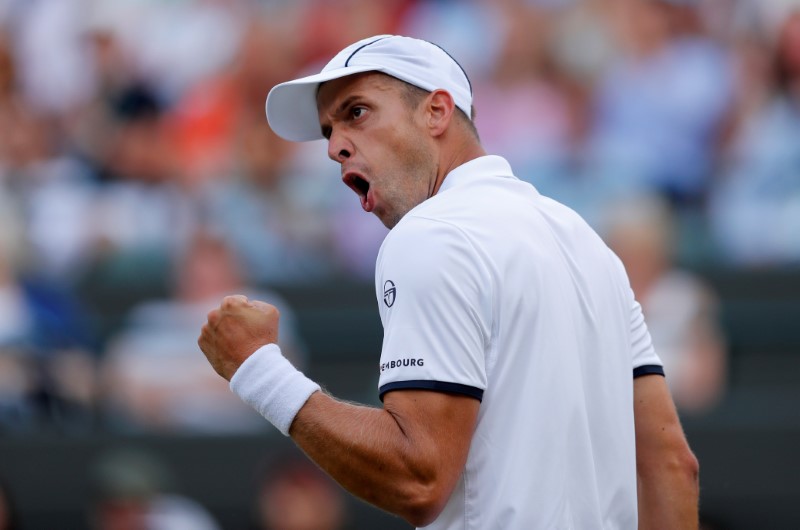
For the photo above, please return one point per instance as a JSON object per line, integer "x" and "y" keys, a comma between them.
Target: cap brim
{"x": 292, "y": 106}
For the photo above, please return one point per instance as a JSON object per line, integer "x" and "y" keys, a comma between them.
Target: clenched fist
{"x": 235, "y": 330}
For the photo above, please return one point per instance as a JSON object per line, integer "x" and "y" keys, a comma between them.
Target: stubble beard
{"x": 411, "y": 183}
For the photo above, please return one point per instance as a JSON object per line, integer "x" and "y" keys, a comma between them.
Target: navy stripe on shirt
{"x": 439, "y": 386}
{"x": 648, "y": 369}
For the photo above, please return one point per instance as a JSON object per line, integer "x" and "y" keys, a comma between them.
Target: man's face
{"x": 381, "y": 142}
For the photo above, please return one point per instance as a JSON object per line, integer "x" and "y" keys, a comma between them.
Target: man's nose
{"x": 339, "y": 148}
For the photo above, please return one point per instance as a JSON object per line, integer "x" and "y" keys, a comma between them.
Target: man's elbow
{"x": 424, "y": 504}
{"x": 691, "y": 467}
{"x": 683, "y": 463}
{"x": 678, "y": 463}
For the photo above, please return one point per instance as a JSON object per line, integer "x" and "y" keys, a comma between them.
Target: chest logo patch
{"x": 389, "y": 293}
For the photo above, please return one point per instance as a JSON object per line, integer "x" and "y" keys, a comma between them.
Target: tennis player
{"x": 520, "y": 388}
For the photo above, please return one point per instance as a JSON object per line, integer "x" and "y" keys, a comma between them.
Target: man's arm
{"x": 405, "y": 458}
{"x": 666, "y": 468}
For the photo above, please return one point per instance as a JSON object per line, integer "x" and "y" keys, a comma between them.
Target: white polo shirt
{"x": 492, "y": 290}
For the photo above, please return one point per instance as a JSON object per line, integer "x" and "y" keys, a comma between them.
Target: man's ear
{"x": 440, "y": 109}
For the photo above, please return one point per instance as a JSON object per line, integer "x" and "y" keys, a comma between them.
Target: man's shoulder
{"x": 423, "y": 228}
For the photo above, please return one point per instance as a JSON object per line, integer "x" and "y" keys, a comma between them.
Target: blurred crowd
{"x": 135, "y": 489}
{"x": 130, "y": 487}
{"x": 140, "y": 182}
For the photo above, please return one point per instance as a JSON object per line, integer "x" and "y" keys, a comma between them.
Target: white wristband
{"x": 269, "y": 383}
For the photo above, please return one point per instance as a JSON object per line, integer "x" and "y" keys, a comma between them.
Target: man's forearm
{"x": 666, "y": 468}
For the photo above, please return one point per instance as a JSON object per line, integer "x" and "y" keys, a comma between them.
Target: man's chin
{"x": 388, "y": 220}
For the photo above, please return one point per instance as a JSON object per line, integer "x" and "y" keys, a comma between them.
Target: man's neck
{"x": 469, "y": 150}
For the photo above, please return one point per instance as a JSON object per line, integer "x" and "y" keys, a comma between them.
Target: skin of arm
{"x": 667, "y": 470}
{"x": 405, "y": 458}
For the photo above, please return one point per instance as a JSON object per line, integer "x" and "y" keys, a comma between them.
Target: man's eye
{"x": 357, "y": 112}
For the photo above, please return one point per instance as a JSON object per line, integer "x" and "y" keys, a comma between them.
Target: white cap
{"x": 292, "y": 106}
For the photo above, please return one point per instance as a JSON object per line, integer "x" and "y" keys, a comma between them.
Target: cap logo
{"x": 347, "y": 62}
{"x": 469, "y": 83}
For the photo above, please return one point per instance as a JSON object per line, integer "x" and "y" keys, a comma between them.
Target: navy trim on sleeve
{"x": 648, "y": 369}
{"x": 439, "y": 386}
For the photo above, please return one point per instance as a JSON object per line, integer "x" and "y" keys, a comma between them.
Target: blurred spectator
{"x": 8, "y": 510}
{"x": 659, "y": 107}
{"x": 137, "y": 213}
{"x": 755, "y": 207}
{"x": 523, "y": 107}
{"x": 55, "y": 71}
{"x": 323, "y": 34}
{"x": 155, "y": 377}
{"x": 584, "y": 40}
{"x": 269, "y": 220}
{"x": 134, "y": 490}
{"x": 34, "y": 170}
{"x": 294, "y": 494}
{"x": 140, "y": 213}
{"x": 680, "y": 308}
{"x": 16, "y": 319}
{"x": 210, "y": 118}
{"x": 234, "y": 169}
{"x": 46, "y": 369}
{"x": 453, "y": 25}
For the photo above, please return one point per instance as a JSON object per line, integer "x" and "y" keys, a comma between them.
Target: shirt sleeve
{"x": 645, "y": 358}
{"x": 435, "y": 304}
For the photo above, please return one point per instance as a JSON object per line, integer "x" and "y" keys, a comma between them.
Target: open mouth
{"x": 357, "y": 183}
{"x": 360, "y": 185}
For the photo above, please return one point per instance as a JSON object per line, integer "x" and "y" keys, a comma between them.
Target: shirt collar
{"x": 481, "y": 167}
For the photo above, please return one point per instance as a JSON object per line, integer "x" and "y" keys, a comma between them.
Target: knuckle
{"x": 232, "y": 301}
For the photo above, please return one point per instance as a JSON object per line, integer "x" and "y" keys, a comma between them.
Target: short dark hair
{"x": 413, "y": 95}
